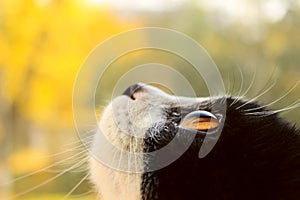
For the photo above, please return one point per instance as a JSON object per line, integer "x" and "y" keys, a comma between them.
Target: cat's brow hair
{"x": 239, "y": 94}
{"x": 276, "y": 100}
{"x": 230, "y": 88}
{"x": 241, "y": 87}
{"x": 258, "y": 96}
{"x": 268, "y": 86}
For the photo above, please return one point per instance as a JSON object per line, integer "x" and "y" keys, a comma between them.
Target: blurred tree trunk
{"x": 15, "y": 133}
{"x": 5, "y": 141}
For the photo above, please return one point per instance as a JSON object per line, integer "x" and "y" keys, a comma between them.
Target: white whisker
{"x": 233, "y": 85}
{"x": 120, "y": 163}
{"x": 75, "y": 187}
{"x": 79, "y": 147}
{"x": 241, "y": 87}
{"x": 114, "y": 157}
{"x": 47, "y": 181}
{"x": 253, "y": 99}
{"x": 269, "y": 80}
{"x": 82, "y": 194}
{"x": 251, "y": 83}
{"x": 266, "y": 85}
{"x": 294, "y": 105}
{"x": 129, "y": 163}
{"x": 272, "y": 103}
{"x": 41, "y": 170}
{"x": 80, "y": 157}
{"x": 79, "y": 140}
{"x": 78, "y": 170}
{"x": 228, "y": 92}
{"x": 135, "y": 154}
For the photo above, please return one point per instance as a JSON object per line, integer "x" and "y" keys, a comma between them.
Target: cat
{"x": 256, "y": 154}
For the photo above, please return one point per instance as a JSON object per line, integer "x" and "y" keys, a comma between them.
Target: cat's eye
{"x": 200, "y": 120}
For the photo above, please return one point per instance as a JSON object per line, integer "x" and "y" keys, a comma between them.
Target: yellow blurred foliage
{"x": 28, "y": 160}
{"x": 42, "y": 45}
{"x": 1, "y": 132}
{"x": 275, "y": 43}
{"x": 57, "y": 197}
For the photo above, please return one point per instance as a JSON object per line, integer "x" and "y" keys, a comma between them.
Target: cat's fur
{"x": 256, "y": 157}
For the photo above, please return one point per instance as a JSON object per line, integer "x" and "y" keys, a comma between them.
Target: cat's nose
{"x": 133, "y": 89}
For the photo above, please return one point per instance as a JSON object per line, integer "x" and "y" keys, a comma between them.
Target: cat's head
{"x": 160, "y": 136}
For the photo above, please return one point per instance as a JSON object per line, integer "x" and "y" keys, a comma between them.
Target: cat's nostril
{"x": 132, "y": 89}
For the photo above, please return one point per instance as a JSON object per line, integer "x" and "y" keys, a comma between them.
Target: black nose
{"x": 132, "y": 89}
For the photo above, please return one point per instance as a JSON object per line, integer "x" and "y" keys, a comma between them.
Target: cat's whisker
{"x": 130, "y": 154}
{"x": 277, "y": 100}
{"x": 248, "y": 89}
{"x": 79, "y": 141}
{"x": 114, "y": 157}
{"x": 228, "y": 92}
{"x": 62, "y": 166}
{"x": 255, "y": 98}
{"x": 129, "y": 167}
{"x": 135, "y": 155}
{"x": 79, "y": 147}
{"x": 58, "y": 171}
{"x": 81, "y": 154}
{"x": 76, "y": 186}
{"x": 241, "y": 87}
{"x": 233, "y": 84}
{"x": 121, "y": 156}
{"x": 82, "y": 194}
{"x": 294, "y": 105}
{"x": 272, "y": 77}
{"x": 49, "y": 180}
{"x": 251, "y": 83}
{"x": 87, "y": 138}
{"x": 266, "y": 87}
{"x": 242, "y": 79}
{"x": 116, "y": 154}
{"x": 42, "y": 169}
{"x": 127, "y": 170}
{"x": 261, "y": 113}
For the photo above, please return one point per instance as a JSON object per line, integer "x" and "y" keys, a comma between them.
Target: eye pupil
{"x": 200, "y": 120}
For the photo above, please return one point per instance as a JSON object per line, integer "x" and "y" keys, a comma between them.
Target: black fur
{"x": 256, "y": 157}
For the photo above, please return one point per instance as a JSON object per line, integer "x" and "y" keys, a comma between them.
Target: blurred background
{"x": 44, "y": 42}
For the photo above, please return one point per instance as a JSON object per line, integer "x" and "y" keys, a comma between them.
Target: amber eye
{"x": 200, "y": 120}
